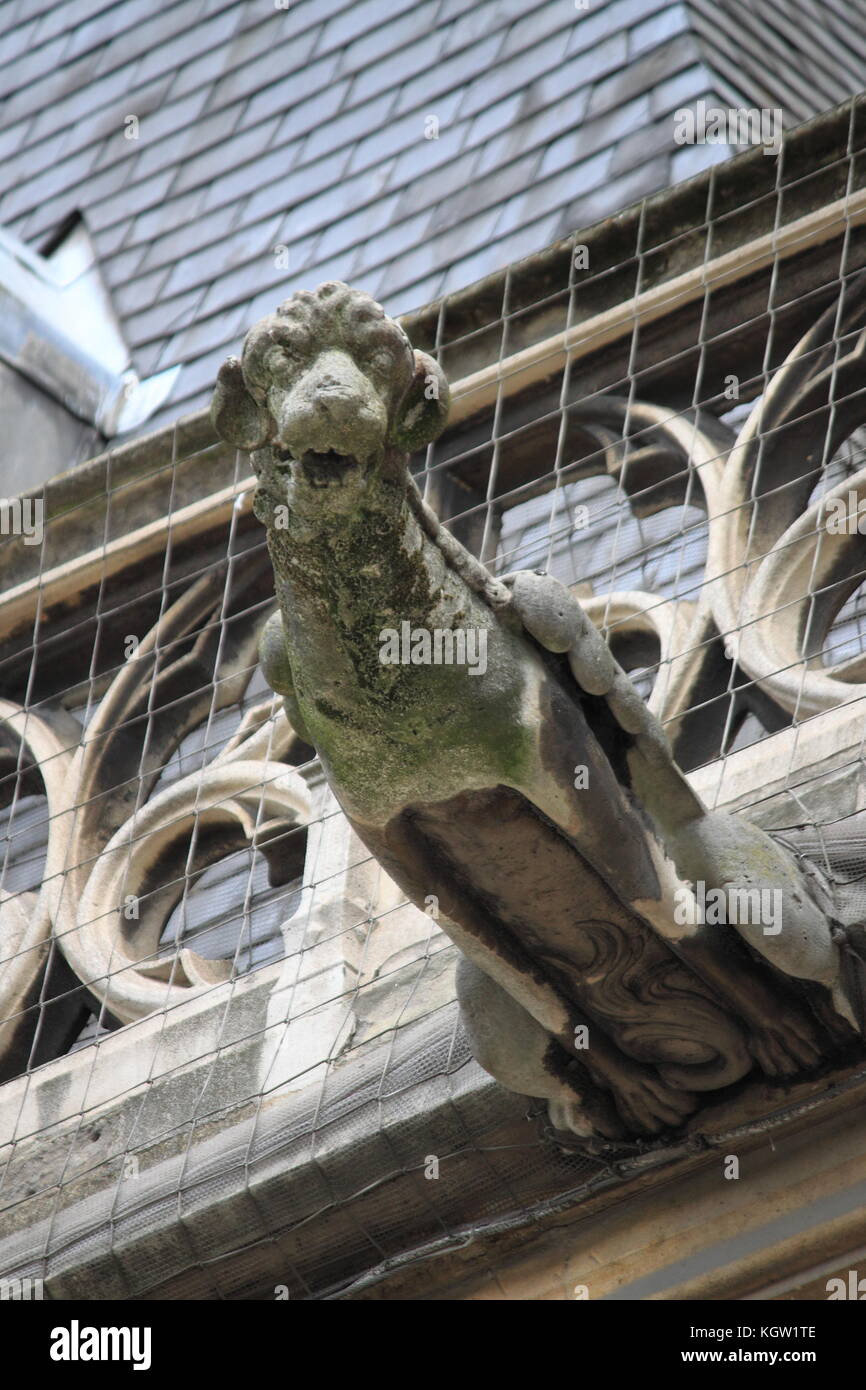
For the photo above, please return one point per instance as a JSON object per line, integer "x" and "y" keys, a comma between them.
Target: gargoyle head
{"x": 328, "y": 392}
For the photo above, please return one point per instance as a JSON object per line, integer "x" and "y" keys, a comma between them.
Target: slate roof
{"x": 304, "y": 127}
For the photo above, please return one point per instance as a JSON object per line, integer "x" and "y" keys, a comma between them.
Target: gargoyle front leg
{"x": 515, "y": 1049}
{"x": 690, "y": 844}
{"x": 746, "y": 866}
{"x": 274, "y": 660}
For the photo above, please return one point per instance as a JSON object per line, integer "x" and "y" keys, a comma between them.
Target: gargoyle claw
{"x": 648, "y": 1104}
{"x": 780, "y": 1050}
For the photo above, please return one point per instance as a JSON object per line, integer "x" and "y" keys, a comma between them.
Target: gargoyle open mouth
{"x": 322, "y": 469}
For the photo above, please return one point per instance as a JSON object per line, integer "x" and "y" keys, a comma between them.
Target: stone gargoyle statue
{"x": 531, "y": 793}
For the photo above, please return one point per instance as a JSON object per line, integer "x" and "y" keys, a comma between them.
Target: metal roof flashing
{"x": 58, "y": 329}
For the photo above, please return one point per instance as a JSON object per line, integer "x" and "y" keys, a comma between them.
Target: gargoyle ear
{"x": 236, "y": 417}
{"x": 422, "y": 413}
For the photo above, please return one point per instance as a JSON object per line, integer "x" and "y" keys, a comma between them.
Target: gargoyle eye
{"x": 382, "y": 360}
{"x": 284, "y": 357}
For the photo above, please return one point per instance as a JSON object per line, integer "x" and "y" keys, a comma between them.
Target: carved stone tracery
{"x": 116, "y": 838}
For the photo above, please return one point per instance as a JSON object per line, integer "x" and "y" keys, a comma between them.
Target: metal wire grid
{"x": 663, "y": 554}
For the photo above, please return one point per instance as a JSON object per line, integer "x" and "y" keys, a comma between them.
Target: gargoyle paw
{"x": 781, "y": 1049}
{"x": 648, "y": 1103}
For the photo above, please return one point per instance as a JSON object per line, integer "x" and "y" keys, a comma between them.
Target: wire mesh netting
{"x": 174, "y": 871}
